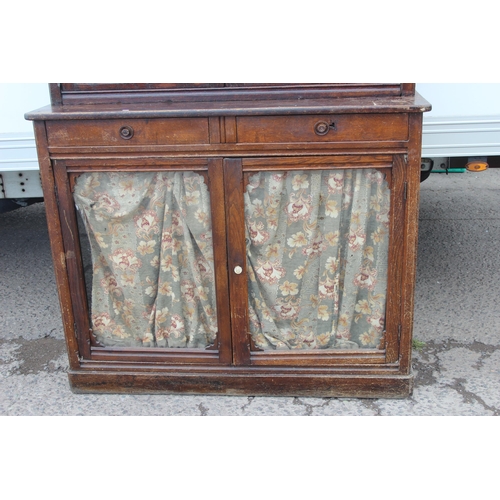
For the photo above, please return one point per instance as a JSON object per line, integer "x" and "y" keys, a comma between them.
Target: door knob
{"x": 238, "y": 270}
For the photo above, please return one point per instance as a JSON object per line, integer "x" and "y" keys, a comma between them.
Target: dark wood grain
{"x": 70, "y": 94}
{"x": 107, "y": 132}
{"x": 55, "y": 94}
{"x": 253, "y": 107}
{"x": 56, "y": 244}
{"x": 73, "y": 257}
{"x": 149, "y": 357}
{"x": 243, "y": 383}
{"x": 376, "y": 127}
{"x": 230, "y": 129}
{"x": 214, "y": 127}
{"x": 393, "y": 318}
{"x": 237, "y": 256}
{"x": 227, "y": 150}
{"x": 411, "y": 240}
{"x": 407, "y": 89}
{"x": 318, "y": 162}
{"x": 219, "y": 235}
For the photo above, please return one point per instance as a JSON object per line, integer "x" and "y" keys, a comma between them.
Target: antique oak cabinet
{"x": 251, "y": 239}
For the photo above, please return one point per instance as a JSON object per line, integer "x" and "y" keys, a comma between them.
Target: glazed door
{"x": 145, "y": 251}
{"x": 266, "y": 261}
{"x": 315, "y": 259}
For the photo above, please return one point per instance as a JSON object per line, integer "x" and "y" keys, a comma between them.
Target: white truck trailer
{"x": 19, "y": 173}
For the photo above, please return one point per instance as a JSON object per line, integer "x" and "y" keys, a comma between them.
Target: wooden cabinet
{"x": 234, "y": 238}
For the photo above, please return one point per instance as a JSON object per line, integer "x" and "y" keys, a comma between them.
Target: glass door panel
{"x": 152, "y": 260}
{"x": 317, "y": 244}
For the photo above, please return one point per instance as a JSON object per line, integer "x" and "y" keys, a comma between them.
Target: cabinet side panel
{"x": 56, "y": 243}
{"x": 396, "y": 262}
{"x": 411, "y": 235}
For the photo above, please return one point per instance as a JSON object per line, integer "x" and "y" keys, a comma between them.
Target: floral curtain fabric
{"x": 317, "y": 251}
{"x": 152, "y": 255}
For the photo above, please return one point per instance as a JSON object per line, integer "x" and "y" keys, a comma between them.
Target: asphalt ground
{"x": 457, "y": 322}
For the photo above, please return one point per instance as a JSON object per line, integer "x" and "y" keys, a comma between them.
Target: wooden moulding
{"x": 220, "y": 108}
{"x": 220, "y": 353}
{"x": 67, "y": 94}
{"x": 237, "y": 383}
{"x": 220, "y": 150}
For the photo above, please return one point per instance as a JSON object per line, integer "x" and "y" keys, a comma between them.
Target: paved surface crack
{"x": 470, "y": 397}
{"x": 309, "y": 407}
{"x": 203, "y": 410}
{"x": 372, "y": 405}
{"x": 248, "y": 403}
{"x": 427, "y": 364}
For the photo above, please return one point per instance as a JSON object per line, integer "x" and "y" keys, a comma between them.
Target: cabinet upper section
{"x": 64, "y": 94}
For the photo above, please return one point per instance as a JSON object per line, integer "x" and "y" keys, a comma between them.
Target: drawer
{"x": 322, "y": 128}
{"x": 128, "y": 132}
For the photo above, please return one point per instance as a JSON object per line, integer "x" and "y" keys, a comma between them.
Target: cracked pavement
{"x": 457, "y": 318}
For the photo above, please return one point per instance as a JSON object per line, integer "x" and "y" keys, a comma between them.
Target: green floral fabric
{"x": 153, "y": 274}
{"x": 317, "y": 250}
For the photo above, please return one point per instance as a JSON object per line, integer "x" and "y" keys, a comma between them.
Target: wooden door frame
{"x": 234, "y": 178}
{"x": 64, "y": 173}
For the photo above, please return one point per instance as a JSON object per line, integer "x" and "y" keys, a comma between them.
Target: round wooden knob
{"x": 321, "y": 128}
{"x": 126, "y": 132}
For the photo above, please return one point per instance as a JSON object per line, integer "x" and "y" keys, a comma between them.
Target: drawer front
{"x": 322, "y": 128}
{"x": 128, "y": 132}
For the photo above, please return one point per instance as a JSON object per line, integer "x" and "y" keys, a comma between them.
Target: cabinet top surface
{"x": 390, "y": 104}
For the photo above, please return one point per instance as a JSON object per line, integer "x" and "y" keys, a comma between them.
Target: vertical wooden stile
{"x": 216, "y": 187}
{"x": 411, "y": 238}
{"x": 238, "y": 292}
{"x": 230, "y": 129}
{"x": 55, "y": 94}
{"x": 395, "y": 260}
{"x": 73, "y": 258}
{"x": 214, "y": 130}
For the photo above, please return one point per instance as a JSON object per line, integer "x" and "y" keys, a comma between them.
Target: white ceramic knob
{"x": 238, "y": 270}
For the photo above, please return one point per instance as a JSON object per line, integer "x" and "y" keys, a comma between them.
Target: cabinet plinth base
{"x": 279, "y": 384}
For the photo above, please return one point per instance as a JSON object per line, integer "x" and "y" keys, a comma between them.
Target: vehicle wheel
{"x": 424, "y": 175}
